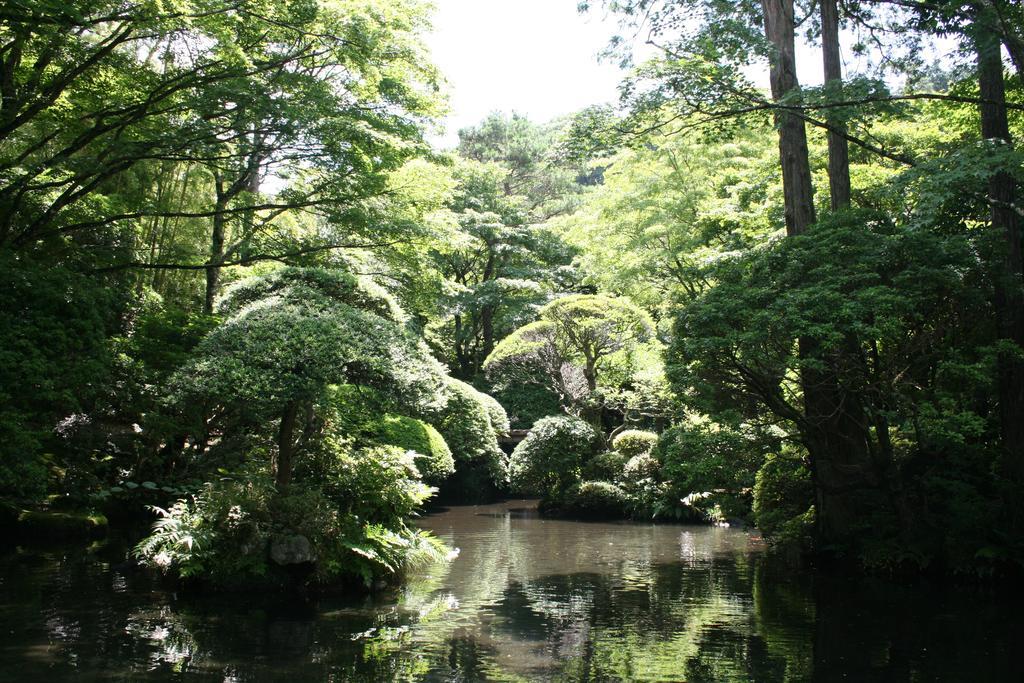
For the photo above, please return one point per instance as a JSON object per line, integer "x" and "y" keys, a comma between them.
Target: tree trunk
{"x": 488, "y": 310}
{"x": 217, "y": 238}
{"x": 285, "y": 447}
{"x": 1009, "y": 296}
{"x": 838, "y": 146}
{"x": 797, "y": 188}
{"x": 833, "y": 429}
{"x": 487, "y": 328}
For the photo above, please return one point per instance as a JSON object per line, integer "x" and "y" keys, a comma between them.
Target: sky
{"x": 539, "y": 58}
{"x": 536, "y": 57}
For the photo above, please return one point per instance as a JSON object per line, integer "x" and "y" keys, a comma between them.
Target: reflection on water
{"x": 527, "y": 600}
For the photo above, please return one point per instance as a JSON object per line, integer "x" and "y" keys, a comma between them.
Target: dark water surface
{"x": 527, "y": 600}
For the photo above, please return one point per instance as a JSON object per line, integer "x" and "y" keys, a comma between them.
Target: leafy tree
{"x": 667, "y": 208}
{"x": 569, "y": 349}
{"x": 101, "y": 100}
{"x": 499, "y": 267}
{"x": 290, "y": 336}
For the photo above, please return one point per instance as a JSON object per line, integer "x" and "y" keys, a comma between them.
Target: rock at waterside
{"x": 288, "y": 550}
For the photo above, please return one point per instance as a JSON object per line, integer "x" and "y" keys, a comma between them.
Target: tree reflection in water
{"x": 527, "y": 600}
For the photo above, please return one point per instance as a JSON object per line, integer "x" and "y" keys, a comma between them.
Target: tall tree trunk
{"x": 487, "y": 329}
{"x": 285, "y": 446}
{"x": 833, "y": 428}
{"x": 487, "y": 311}
{"x": 838, "y": 146}
{"x": 1009, "y": 295}
{"x": 797, "y": 188}
{"x": 217, "y": 239}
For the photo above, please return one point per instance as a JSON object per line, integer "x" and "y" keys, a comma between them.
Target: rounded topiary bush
{"x": 607, "y": 466}
{"x": 471, "y": 422}
{"x": 467, "y": 423}
{"x": 596, "y": 500}
{"x": 550, "y": 459}
{"x": 641, "y": 467}
{"x": 499, "y": 418}
{"x": 434, "y": 462}
{"x": 633, "y": 442}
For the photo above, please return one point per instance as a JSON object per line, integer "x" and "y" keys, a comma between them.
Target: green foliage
{"x": 303, "y": 335}
{"x": 641, "y": 467}
{"x": 220, "y": 534}
{"x": 358, "y": 415}
{"x": 784, "y": 499}
{"x": 319, "y": 284}
{"x": 711, "y": 465}
{"x": 667, "y": 209}
{"x": 163, "y": 339}
{"x": 325, "y": 351}
{"x": 379, "y": 484}
{"x": 259, "y": 96}
{"x": 497, "y": 263}
{"x": 606, "y": 466}
{"x": 578, "y": 342}
{"x": 54, "y": 363}
{"x": 355, "y": 524}
{"x": 633, "y": 442}
{"x": 495, "y": 413}
{"x": 137, "y": 147}
{"x": 526, "y": 403}
{"x": 434, "y": 459}
{"x": 466, "y": 424}
{"x": 641, "y": 480}
{"x": 552, "y": 456}
{"x": 595, "y": 500}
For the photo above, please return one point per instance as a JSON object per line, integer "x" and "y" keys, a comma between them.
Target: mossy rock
{"x": 42, "y": 526}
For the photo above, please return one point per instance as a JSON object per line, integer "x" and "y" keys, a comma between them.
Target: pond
{"x": 526, "y": 600}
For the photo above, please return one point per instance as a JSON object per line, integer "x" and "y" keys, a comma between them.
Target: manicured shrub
{"x": 291, "y": 283}
{"x": 467, "y": 421}
{"x": 595, "y": 500}
{"x": 606, "y": 466}
{"x": 633, "y": 442}
{"x": 499, "y": 419}
{"x": 641, "y": 467}
{"x": 434, "y": 459}
{"x": 551, "y": 458}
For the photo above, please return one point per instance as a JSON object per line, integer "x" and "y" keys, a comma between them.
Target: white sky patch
{"x": 540, "y": 58}
{"x": 536, "y": 57}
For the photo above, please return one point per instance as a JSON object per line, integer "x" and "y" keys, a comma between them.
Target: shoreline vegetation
{"x": 245, "y": 304}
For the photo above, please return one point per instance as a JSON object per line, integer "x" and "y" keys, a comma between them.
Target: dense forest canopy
{"x": 240, "y": 288}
